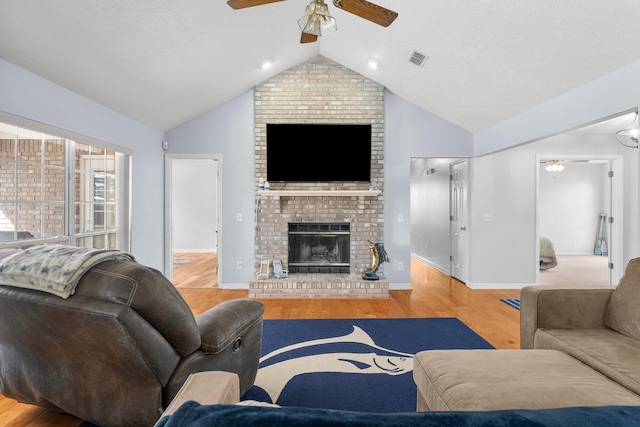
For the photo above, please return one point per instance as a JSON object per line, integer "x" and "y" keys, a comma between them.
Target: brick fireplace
{"x": 318, "y": 247}
{"x": 319, "y": 91}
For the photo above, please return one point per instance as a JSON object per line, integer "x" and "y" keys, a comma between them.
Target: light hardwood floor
{"x": 434, "y": 295}
{"x": 201, "y": 272}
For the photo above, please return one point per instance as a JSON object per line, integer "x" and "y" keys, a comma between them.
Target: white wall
{"x": 194, "y": 205}
{"x": 569, "y": 205}
{"x": 27, "y": 95}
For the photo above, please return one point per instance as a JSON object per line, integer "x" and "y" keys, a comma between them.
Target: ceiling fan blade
{"x": 367, "y": 10}
{"x": 308, "y": 38}
{"x": 241, "y": 4}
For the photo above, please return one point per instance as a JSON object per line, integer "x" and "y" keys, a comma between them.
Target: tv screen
{"x": 318, "y": 153}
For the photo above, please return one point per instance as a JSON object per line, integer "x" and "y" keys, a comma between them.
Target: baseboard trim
{"x": 400, "y": 286}
{"x": 472, "y": 285}
{"x": 235, "y": 286}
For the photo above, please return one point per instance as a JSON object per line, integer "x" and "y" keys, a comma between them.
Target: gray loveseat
{"x": 117, "y": 351}
{"x": 597, "y": 325}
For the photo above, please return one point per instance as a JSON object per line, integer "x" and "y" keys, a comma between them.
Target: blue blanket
{"x": 192, "y": 414}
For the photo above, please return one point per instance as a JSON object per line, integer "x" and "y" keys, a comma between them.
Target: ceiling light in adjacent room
{"x": 554, "y": 166}
{"x": 629, "y": 135}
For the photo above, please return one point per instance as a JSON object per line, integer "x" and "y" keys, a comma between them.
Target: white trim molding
{"x": 235, "y": 286}
{"x": 400, "y": 286}
{"x": 472, "y": 285}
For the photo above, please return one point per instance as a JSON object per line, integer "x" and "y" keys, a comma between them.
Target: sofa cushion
{"x": 486, "y": 380}
{"x": 622, "y": 313}
{"x": 605, "y": 350}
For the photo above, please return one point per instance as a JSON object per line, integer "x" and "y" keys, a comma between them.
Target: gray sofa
{"x": 580, "y": 346}
{"x": 117, "y": 351}
{"x": 598, "y": 325}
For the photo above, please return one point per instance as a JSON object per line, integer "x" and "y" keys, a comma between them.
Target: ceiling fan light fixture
{"x": 629, "y": 135}
{"x": 317, "y": 20}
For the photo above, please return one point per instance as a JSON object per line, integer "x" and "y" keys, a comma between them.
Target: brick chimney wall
{"x": 319, "y": 91}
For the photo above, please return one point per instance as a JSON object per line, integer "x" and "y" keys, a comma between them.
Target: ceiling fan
{"x": 317, "y": 20}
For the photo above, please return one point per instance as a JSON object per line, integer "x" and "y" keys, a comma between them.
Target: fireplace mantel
{"x": 319, "y": 193}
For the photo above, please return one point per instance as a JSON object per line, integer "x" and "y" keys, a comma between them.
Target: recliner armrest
{"x": 207, "y": 388}
{"x": 221, "y": 325}
{"x": 561, "y": 307}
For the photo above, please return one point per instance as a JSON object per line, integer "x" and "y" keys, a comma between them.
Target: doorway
{"x": 570, "y": 203}
{"x": 434, "y": 202}
{"x": 192, "y": 218}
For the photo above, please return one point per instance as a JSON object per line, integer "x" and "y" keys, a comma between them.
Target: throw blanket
{"x": 547, "y": 254}
{"x": 53, "y": 268}
{"x": 191, "y": 414}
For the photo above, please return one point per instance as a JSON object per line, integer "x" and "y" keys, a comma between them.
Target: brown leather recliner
{"x": 117, "y": 351}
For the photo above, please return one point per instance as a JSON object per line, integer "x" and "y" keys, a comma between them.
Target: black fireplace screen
{"x": 319, "y": 247}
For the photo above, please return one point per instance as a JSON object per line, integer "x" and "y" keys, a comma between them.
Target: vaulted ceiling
{"x": 164, "y": 62}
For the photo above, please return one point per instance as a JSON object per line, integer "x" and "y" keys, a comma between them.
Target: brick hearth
{"x": 318, "y": 286}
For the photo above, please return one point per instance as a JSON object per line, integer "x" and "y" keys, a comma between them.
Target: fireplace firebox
{"x": 319, "y": 247}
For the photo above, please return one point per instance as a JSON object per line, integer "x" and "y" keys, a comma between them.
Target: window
{"x": 95, "y": 196}
{"x": 38, "y": 205}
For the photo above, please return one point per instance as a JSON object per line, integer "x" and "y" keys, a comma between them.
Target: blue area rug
{"x": 515, "y": 303}
{"x": 351, "y": 364}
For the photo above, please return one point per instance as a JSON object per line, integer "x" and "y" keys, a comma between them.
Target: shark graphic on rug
{"x": 274, "y": 377}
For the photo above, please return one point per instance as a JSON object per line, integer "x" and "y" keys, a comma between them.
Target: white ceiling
{"x": 164, "y": 62}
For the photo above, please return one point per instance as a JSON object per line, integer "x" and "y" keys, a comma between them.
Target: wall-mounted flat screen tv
{"x": 318, "y": 152}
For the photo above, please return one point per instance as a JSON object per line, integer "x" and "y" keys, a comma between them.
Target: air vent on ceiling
{"x": 418, "y": 58}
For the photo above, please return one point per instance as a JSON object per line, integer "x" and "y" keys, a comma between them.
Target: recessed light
{"x": 373, "y": 64}
{"x": 266, "y": 65}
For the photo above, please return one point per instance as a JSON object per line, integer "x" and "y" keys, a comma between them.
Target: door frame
{"x": 614, "y": 229}
{"x": 168, "y": 203}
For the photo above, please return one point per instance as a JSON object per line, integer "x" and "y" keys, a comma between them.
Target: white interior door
{"x": 458, "y": 228}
